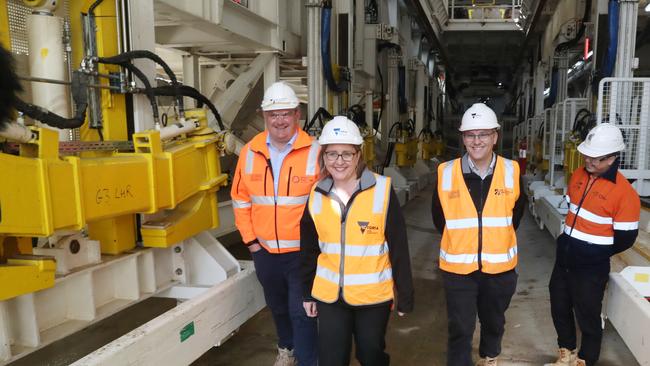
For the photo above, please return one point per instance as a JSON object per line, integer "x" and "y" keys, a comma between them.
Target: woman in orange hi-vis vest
{"x": 354, "y": 250}
{"x": 477, "y": 207}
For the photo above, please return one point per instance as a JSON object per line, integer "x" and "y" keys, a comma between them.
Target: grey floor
{"x": 416, "y": 339}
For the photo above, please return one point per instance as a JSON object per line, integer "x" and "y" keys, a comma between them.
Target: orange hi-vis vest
{"x": 354, "y": 253}
{"x": 599, "y": 206}
{"x": 259, "y": 214}
{"x": 472, "y": 240}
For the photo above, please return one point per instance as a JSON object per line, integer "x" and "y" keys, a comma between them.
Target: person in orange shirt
{"x": 271, "y": 184}
{"x": 603, "y": 220}
{"x": 477, "y": 207}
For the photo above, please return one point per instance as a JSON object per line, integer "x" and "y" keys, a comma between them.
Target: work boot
{"x": 580, "y": 362}
{"x": 566, "y": 357}
{"x": 285, "y": 358}
{"x": 487, "y": 361}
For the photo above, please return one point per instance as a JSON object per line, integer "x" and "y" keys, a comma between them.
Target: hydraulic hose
{"x": 147, "y": 85}
{"x": 137, "y": 54}
{"x": 612, "y": 46}
{"x": 318, "y": 116}
{"x": 188, "y": 91}
{"x": 50, "y": 118}
{"x": 326, "y": 15}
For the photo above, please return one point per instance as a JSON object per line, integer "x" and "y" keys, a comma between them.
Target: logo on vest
{"x": 453, "y": 194}
{"x": 365, "y": 226}
{"x": 502, "y": 191}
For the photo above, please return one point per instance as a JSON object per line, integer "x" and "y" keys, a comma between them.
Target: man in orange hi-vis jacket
{"x": 271, "y": 184}
{"x": 603, "y": 220}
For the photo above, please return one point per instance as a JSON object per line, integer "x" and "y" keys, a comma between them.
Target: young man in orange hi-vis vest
{"x": 477, "y": 207}
{"x": 270, "y": 188}
{"x": 603, "y": 220}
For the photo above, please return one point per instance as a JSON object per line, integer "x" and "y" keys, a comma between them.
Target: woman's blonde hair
{"x": 361, "y": 164}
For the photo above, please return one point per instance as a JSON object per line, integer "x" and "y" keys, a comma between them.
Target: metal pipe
{"x": 17, "y": 132}
{"x": 178, "y": 128}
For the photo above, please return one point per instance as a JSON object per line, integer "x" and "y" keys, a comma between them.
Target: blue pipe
{"x": 610, "y": 57}
{"x": 326, "y": 16}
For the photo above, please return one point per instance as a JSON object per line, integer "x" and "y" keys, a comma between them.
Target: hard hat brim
{"x": 585, "y": 150}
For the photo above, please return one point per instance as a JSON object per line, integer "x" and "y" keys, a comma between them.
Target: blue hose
{"x": 610, "y": 57}
{"x": 326, "y": 16}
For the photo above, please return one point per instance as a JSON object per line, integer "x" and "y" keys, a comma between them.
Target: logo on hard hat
{"x": 590, "y": 136}
{"x": 339, "y": 131}
{"x": 474, "y": 115}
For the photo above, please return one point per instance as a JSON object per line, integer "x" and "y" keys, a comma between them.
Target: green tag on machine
{"x": 187, "y": 331}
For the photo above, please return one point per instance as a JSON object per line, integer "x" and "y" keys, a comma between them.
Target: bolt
{"x": 75, "y": 247}
{"x": 177, "y": 249}
{"x": 179, "y": 271}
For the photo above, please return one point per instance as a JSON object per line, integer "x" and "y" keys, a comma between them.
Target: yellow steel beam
{"x": 24, "y": 275}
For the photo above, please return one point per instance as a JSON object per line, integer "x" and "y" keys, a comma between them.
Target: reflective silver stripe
{"x": 281, "y": 200}
{"x": 329, "y": 248}
{"x": 591, "y": 239}
{"x": 461, "y": 223}
{"x": 380, "y": 190}
{"x": 263, "y": 200}
{"x": 317, "y": 203}
{"x": 447, "y": 175}
{"x": 249, "y": 161}
{"x": 240, "y": 204}
{"x": 354, "y": 250}
{"x": 312, "y": 158}
{"x": 355, "y": 279}
{"x": 632, "y": 225}
{"x": 499, "y": 258}
{"x": 283, "y": 244}
{"x": 497, "y": 221}
{"x": 328, "y": 275}
{"x": 458, "y": 258}
{"x": 509, "y": 176}
{"x": 473, "y": 222}
{"x": 590, "y": 216}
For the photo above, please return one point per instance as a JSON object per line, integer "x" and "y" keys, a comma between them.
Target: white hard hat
{"x": 340, "y": 130}
{"x": 479, "y": 117}
{"x": 279, "y": 96}
{"x": 602, "y": 140}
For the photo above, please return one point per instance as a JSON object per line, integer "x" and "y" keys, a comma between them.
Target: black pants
{"x": 338, "y": 322}
{"x": 578, "y": 293}
{"x": 487, "y": 295}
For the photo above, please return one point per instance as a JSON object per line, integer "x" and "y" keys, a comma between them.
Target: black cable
{"x": 51, "y": 118}
{"x": 91, "y": 9}
{"x": 188, "y": 91}
{"x": 143, "y": 78}
{"x": 131, "y": 55}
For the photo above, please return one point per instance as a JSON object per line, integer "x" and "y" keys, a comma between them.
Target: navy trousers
{"x": 579, "y": 295}
{"x": 280, "y": 277}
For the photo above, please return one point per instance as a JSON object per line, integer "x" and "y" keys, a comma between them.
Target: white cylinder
{"x": 17, "y": 132}
{"x": 46, "y": 60}
{"x": 178, "y": 128}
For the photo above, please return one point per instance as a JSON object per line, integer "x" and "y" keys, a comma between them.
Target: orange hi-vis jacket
{"x": 599, "y": 206}
{"x": 354, "y": 252}
{"x": 274, "y": 221}
{"x": 472, "y": 240}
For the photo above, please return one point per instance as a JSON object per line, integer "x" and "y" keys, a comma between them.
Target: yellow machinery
{"x": 572, "y": 159}
{"x": 368, "y": 146}
{"x": 432, "y": 145}
{"x": 46, "y": 193}
{"x": 406, "y": 146}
